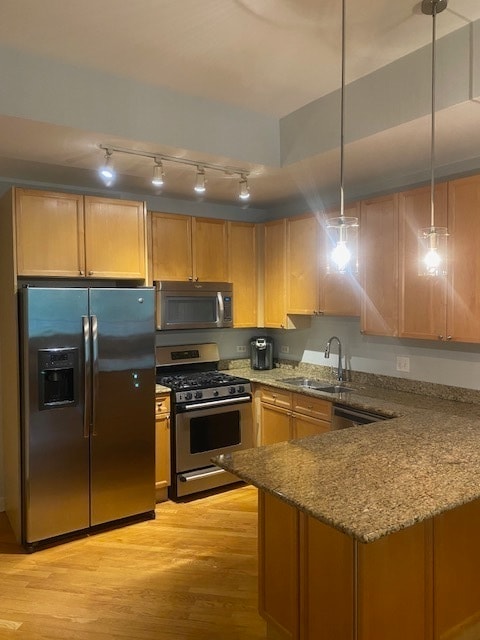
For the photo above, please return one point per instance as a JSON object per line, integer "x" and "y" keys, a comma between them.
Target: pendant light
{"x": 433, "y": 239}
{"x": 342, "y": 232}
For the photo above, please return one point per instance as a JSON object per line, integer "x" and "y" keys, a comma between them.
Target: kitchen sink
{"x": 317, "y": 385}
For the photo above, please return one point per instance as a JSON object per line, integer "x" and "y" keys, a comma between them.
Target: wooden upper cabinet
{"x": 171, "y": 247}
{"x": 209, "y": 250}
{"x": 67, "y": 235}
{"x": 275, "y": 274}
{"x": 302, "y": 265}
{"x": 379, "y": 265}
{"x": 463, "y": 306}
{"x": 423, "y": 299}
{"x": 49, "y": 233}
{"x": 187, "y": 248}
{"x": 339, "y": 292}
{"x": 114, "y": 238}
{"x": 242, "y": 272}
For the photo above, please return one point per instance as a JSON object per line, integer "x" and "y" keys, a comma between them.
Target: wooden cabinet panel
{"x": 162, "y": 441}
{"x": 379, "y": 266}
{"x": 275, "y": 275}
{"x": 423, "y": 299}
{"x": 303, "y": 426}
{"x": 313, "y": 407}
{"x": 171, "y": 247}
{"x": 49, "y": 233}
{"x": 302, "y": 267}
{"x": 278, "y": 397}
{"x": 463, "y": 307}
{"x": 242, "y": 272}
{"x": 210, "y": 250}
{"x": 275, "y": 424}
{"x": 114, "y": 238}
{"x": 278, "y": 566}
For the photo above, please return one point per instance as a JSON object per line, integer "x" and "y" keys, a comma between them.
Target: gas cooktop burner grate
{"x": 199, "y": 380}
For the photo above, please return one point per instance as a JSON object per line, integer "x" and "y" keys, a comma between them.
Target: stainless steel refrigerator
{"x": 88, "y": 410}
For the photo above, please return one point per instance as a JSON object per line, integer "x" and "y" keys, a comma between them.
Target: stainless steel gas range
{"x": 211, "y": 414}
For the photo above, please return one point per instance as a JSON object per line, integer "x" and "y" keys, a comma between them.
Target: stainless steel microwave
{"x": 193, "y": 305}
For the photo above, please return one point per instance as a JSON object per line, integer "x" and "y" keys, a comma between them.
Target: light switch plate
{"x": 403, "y": 364}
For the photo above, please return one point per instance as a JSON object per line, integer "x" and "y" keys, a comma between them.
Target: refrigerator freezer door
{"x": 55, "y": 455}
{"x": 123, "y": 381}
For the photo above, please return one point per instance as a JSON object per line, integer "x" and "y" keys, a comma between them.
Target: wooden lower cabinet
{"x": 420, "y": 583}
{"x": 162, "y": 444}
{"x": 284, "y": 415}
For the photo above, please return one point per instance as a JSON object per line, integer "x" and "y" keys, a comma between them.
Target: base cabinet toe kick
{"x": 420, "y": 583}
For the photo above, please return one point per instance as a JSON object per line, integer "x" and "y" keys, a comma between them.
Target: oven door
{"x": 204, "y": 431}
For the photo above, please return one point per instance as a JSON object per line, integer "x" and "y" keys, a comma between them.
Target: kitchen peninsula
{"x": 372, "y": 533}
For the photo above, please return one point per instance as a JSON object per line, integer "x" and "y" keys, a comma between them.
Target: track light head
{"x": 200, "y": 180}
{"x": 158, "y": 177}
{"x": 244, "y": 193}
{"x": 106, "y": 171}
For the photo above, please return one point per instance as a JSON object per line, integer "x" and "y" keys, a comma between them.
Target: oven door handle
{"x": 217, "y": 403}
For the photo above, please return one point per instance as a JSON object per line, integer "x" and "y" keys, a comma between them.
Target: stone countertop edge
{"x": 376, "y": 479}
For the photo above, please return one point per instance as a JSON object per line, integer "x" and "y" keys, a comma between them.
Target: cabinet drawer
{"x": 314, "y": 407}
{"x": 162, "y": 404}
{"x": 277, "y": 397}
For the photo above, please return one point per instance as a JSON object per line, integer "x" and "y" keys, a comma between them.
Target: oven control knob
{"x": 241, "y": 389}
{"x": 188, "y": 396}
{"x": 215, "y": 393}
{"x": 198, "y": 394}
{"x": 232, "y": 390}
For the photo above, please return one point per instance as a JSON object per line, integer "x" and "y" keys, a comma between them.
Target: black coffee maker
{"x": 261, "y": 353}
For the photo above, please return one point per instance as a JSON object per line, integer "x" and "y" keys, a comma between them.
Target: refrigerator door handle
{"x": 87, "y": 410}
{"x": 94, "y": 325}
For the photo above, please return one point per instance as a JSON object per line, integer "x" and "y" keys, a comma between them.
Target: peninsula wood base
{"x": 421, "y": 583}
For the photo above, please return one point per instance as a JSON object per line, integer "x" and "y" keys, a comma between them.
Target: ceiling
{"x": 267, "y": 57}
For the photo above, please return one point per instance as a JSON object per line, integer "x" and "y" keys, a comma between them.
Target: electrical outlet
{"x": 241, "y": 348}
{"x": 403, "y": 364}
{"x": 284, "y": 349}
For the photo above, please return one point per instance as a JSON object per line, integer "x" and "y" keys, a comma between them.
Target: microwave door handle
{"x": 87, "y": 410}
{"x": 221, "y": 308}
{"x": 94, "y": 373}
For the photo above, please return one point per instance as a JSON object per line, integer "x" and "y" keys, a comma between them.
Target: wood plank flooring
{"x": 190, "y": 574}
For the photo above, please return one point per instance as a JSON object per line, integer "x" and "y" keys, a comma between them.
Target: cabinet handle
{"x": 90, "y": 273}
{"x": 449, "y": 337}
{"x": 190, "y": 278}
{"x": 82, "y": 273}
{"x": 196, "y": 279}
{"x": 440, "y": 337}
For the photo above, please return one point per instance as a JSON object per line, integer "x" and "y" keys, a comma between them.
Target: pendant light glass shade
{"x": 158, "y": 177}
{"x": 433, "y": 240}
{"x": 200, "y": 181}
{"x": 342, "y": 232}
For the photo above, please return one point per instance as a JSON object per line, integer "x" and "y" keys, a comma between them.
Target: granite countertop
{"x": 376, "y": 479}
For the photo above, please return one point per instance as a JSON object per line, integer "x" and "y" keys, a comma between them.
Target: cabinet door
{"x": 339, "y": 292}
{"x": 278, "y": 539}
{"x": 302, "y": 265}
{"x": 463, "y": 305}
{"x": 379, "y": 266}
{"x": 242, "y": 272}
{"x": 171, "y": 247}
{"x": 49, "y": 233}
{"x": 274, "y": 290}
{"x": 210, "y": 250}
{"x": 275, "y": 424}
{"x": 303, "y": 426}
{"x": 422, "y": 306}
{"x": 114, "y": 238}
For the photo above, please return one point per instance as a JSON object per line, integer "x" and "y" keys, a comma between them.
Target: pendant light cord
{"x": 342, "y": 115}
{"x": 432, "y": 135}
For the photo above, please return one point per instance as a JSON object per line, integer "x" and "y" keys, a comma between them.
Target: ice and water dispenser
{"x": 57, "y": 376}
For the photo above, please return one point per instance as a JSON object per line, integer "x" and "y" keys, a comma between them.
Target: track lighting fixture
{"x": 158, "y": 175}
{"x": 244, "y": 193}
{"x": 106, "y": 171}
{"x": 342, "y": 232}
{"x": 433, "y": 239}
{"x": 200, "y": 180}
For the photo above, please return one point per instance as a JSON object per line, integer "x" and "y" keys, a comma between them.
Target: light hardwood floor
{"x": 190, "y": 574}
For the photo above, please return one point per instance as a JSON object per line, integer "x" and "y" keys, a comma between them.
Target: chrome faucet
{"x": 340, "y": 376}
